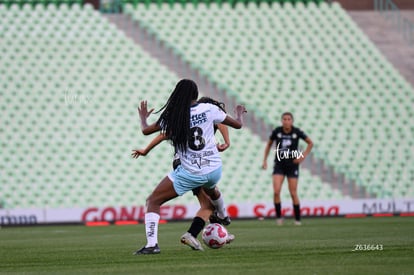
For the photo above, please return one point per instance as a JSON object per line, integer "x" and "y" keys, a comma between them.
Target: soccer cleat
{"x": 148, "y": 250}
{"x": 192, "y": 242}
{"x": 297, "y": 223}
{"x": 214, "y": 218}
{"x": 279, "y": 221}
{"x": 230, "y": 238}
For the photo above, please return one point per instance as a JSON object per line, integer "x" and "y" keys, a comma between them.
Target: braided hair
{"x": 175, "y": 117}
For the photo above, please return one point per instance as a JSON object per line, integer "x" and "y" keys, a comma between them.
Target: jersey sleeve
{"x": 217, "y": 114}
{"x": 301, "y": 134}
{"x": 273, "y": 135}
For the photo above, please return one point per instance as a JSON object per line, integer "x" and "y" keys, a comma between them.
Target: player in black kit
{"x": 286, "y": 163}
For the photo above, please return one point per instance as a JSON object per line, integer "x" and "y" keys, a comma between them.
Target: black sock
{"x": 296, "y": 210}
{"x": 196, "y": 226}
{"x": 278, "y": 209}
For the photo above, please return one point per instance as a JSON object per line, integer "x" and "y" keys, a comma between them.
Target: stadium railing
{"x": 232, "y": 3}
{"x": 32, "y": 3}
{"x": 392, "y": 13}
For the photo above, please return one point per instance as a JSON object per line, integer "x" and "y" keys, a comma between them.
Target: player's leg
{"x": 206, "y": 209}
{"x": 216, "y": 196}
{"x": 199, "y": 221}
{"x": 214, "y": 218}
{"x": 277, "y": 188}
{"x": 293, "y": 190}
{"x": 161, "y": 194}
{"x": 203, "y": 214}
{"x": 220, "y": 214}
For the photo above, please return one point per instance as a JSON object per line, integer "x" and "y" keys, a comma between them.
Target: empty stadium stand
{"x": 312, "y": 59}
{"x": 71, "y": 82}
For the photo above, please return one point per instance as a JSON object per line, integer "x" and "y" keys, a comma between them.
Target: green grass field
{"x": 319, "y": 246}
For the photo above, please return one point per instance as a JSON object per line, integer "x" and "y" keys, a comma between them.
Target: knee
{"x": 294, "y": 196}
{"x": 214, "y": 194}
{"x": 151, "y": 200}
{"x": 148, "y": 201}
{"x": 277, "y": 191}
{"x": 206, "y": 205}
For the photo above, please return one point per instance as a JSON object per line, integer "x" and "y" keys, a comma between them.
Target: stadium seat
{"x": 79, "y": 107}
{"x": 80, "y": 97}
{"x": 331, "y": 42}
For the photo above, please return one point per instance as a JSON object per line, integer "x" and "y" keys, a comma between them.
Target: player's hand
{"x": 137, "y": 153}
{"x": 298, "y": 160}
{"x": 264, "y": 165}
{"x": 222, "y": 147}
{"x": 240, "y": 109}
{"x": 143, "y": 111}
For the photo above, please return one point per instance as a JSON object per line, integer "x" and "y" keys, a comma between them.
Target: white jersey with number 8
{"x": 202, "y": 156}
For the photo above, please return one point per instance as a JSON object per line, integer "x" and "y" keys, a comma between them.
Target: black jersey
{"x": 287, "y": 143}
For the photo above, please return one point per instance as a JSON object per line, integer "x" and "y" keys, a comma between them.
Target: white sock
{"x": 219, "y": 205}
{"x": 151, "y": 228}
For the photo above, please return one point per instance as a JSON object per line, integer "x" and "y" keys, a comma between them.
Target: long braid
{"x": 175, "y": 117}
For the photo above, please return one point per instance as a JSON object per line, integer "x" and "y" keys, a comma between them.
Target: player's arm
{"x": 236, "y": 122}
{"x": 306, "y": 152}
{"x": 143, "y": 152}
{"x": 150, "y": 129}
{"x": 143, "y": 115}
{"x": 266, "y": 153}
{"x": 225, "y": 133}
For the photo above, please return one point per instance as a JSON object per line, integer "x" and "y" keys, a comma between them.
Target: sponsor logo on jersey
{"x": 198, "y": 119}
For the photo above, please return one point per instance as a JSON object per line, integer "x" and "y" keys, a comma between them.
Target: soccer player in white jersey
{"x": 190, "y": 128}
{"x": 207, "y": 210}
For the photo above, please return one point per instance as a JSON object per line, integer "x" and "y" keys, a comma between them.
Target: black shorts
{"x": 196, "y": 191}
{"x": 290, "y": 170}
{"x": 175, "y": 163}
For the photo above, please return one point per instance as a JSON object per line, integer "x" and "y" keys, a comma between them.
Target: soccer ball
{"x": 215, "y": 235}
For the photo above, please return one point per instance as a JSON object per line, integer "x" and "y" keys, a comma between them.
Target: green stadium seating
{"x": 73, "y": 82}
{"x": 69, "y": 113}
{"x": 69, "y": 109}
{"x": 311, "y": 59}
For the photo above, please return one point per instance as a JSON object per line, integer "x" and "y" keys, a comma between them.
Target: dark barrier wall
{"x": 346, "y": 4}
{"x": 369, "y": 4}
{"x": 95, "y": 3}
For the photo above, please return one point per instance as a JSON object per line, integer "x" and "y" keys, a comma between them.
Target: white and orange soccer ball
{"x": 215, "y": 235}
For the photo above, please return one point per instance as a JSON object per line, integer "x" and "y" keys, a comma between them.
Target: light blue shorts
{"x": 183, "y": 181}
